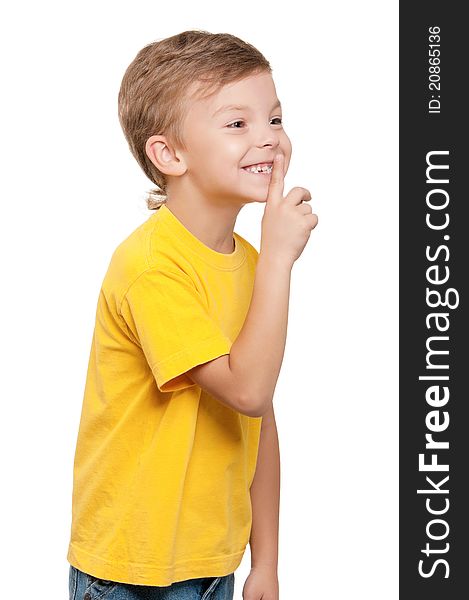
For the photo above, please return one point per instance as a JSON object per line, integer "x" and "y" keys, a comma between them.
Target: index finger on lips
{"x": 276, "y": 183}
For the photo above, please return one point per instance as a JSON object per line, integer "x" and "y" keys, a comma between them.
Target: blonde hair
{"x": 153, "y": 97}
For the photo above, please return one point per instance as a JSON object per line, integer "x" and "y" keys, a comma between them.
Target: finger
{"x": 312, "y": 220}
{"x": 297, "y": 195}
{"x": 275, "y": 192}
{"x": 305, "y": 209}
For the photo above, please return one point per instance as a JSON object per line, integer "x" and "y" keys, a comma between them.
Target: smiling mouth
{"x": 261, "y": 169}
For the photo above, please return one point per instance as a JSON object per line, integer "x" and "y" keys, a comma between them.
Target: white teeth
{"x": 257, "y": 169}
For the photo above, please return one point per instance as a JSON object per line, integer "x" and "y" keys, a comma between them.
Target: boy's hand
{"x": 262, "y": 584}
{"x": 287, "y": 222}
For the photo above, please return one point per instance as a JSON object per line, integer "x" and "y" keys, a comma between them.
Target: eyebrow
{"x": 229, "y": 107}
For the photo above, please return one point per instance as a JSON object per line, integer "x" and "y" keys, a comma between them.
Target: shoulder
{"x": 140, "y": 256}
{"x": 131, "y": 256}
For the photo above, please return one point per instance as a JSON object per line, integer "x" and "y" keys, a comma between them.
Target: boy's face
{"x": 221, "y": 142}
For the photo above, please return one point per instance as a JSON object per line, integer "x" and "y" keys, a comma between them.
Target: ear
{"x": 164, "y": 156}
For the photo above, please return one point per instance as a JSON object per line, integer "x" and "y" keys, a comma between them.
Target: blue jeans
{"x": 87, "y": 587}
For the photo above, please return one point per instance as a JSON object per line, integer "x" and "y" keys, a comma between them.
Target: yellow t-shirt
{"x": 162, "y": 469}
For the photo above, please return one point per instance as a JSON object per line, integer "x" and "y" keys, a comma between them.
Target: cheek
{"x": 234, "y": 148}
{"x": 286, "y": 145}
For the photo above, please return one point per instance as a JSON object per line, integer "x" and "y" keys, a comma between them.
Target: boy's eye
{"x": 274, "y": 119}
{"x": 234, "y": 123}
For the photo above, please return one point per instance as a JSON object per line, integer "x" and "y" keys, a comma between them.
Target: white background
{"x": 71, "y": 192}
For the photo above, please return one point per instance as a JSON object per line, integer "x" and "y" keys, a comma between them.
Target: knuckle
{"x": 299, "y": 189}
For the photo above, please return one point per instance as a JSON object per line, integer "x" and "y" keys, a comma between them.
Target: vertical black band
{"x": 434, "y": 270}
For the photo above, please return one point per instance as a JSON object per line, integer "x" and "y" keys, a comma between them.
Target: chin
{"x": 254, "y": 200}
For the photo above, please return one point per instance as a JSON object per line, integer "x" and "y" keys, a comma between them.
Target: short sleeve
{"x": 173, "y": 326}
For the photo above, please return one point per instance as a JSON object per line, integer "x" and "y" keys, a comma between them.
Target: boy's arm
{"x": 265, "y": 499}
{"x": 246, "y": 378}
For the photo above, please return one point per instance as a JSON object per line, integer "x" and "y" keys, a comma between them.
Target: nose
{"x": 268, "y": 137}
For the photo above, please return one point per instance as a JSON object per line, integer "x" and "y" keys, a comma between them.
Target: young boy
{"x": 177, "y": 462}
